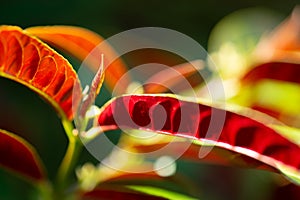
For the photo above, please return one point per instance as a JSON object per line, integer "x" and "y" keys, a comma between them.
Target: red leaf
{"x": 274, "y": 70}
{"x": 240, "y": 133}
{"x": 278, "y": 53}
{"x": 19, "y": 156}
{"x": 82, "y": 44}
{"x": 277, "y": 58}
{"x": 32, "y": 63}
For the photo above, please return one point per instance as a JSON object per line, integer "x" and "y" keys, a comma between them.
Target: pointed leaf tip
{"x": 94, "y": 89}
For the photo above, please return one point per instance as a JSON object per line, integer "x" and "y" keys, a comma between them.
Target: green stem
{"x": 45, "y": 191}
{"x": 70, "y": 158}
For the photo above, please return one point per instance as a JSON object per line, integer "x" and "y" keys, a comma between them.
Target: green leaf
{"x": 159, "y": 192}
{"x": 113, "y": 191}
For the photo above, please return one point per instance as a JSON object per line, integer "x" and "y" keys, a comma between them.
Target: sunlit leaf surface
{"x": 82, "y": 44}
{"x": 239, "y": 133}
{"x": 32, "y": 63}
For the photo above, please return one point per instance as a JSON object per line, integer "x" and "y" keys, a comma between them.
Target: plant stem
{"x": 70, "y": 158}
{"x": 45, "y": 191}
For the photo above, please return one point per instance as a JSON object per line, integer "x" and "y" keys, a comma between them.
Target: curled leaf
{"x": 240, "y": 133}
{"x": 32, "y": 63}
{"x": 19, "y": 156}
{"x": 83, "y": 44}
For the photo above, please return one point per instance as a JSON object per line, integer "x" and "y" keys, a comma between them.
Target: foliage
{"x": 258, "y": 126}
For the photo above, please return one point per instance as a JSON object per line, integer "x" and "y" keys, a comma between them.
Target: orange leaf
{"x": 82, "y": 44}
{"x": 174, "y": 78}
{"x": 19, "y": 156}
{"x": 286, "y": 36}
{"x": 32, "y": 63}
{"x": 283, "y": 44}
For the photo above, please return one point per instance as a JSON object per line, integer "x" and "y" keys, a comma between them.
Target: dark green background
{"x": 23, "y": 112}
{"x": 107, "y": 17}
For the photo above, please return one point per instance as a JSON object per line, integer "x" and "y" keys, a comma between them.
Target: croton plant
{"x": 260, "y": 128}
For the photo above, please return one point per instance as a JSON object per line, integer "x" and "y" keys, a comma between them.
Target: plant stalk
{"x": 71, "y": 156}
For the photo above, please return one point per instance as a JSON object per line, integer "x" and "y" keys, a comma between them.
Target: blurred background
{"x": 36, "y": 121}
